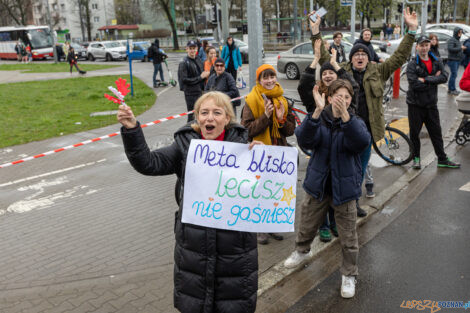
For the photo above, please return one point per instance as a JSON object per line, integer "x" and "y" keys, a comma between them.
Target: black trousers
{"x": 76, "y": 66}
{"x": 430, "y": 117}
{"x": 190, "y": 101}
{"x": 232, "y": 71}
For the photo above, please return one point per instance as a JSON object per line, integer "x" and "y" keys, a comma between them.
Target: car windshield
{"x": 240, "y": 43}
{"x": 145, "y": 45}
{"x": 112, "y": 45}
{"x": 76, "y": 46}
{"x": 40, "y": 38}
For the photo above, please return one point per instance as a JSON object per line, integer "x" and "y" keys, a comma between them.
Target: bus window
{"x": 40, "y": 38}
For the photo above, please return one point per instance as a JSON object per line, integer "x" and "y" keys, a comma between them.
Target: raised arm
{"x": 315, "y": 29}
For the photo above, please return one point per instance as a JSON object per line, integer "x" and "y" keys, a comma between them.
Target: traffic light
{"x": 214, "y": 13}
{"x": 429, "y": 8}
{"x": 400, "y": 7}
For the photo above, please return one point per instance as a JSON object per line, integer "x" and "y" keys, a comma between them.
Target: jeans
{"x": 365, "y": 156}
{"x": 157, "y": 67}
{"x": 329, "y": 221}
{"x": 454, "y": 68}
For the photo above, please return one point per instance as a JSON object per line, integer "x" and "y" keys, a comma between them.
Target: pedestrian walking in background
{"x": 28, "y": 51}
{"x": 466, "y": 53}
{"x": 365, "y": 38}
{"x": 424, "y": 73}
{"x": 215, "y": 270}
{"x": 65, "y": 49}
{"x": 73, "y": 59}
{"x": 434, "y": 45}
{"x": 371, "y": 77}
{"x": 329, "y": 72}
{"x": 389, "y": 31}
{"x": 211, "y": 53}
{"x": 191, "y": 76}
{"x": 19, "y": 55}
{"x": 222, "y": 81}
{"x": 338, "y": 46}
{"x": 338, "y": 137}
{"x": 268, "y": 118}
{"x": 24, "y": 54}
{"x": 232, "y": 56}
{"x": 396, "y": 32}
{"x": 454, "y": 58}
{"x": 158, "y": 56}
{"x": 202, "y": 50}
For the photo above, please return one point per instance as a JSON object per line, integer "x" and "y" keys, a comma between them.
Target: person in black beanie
{"x": 364, "y": 38}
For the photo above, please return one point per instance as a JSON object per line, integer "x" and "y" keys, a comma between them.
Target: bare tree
{"x": 128, "y": 11}
{"x": 17, "y": 10}
{"x": 165, "y": 5}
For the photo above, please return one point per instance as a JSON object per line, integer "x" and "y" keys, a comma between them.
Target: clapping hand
{"x": 319, "y": 102}
{"x": 268, "y": 107}
{"x": 280, "y": 112}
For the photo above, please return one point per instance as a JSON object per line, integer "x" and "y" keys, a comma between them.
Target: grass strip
{"x": 43, "y": 109}
{"x": 52, "y": 67}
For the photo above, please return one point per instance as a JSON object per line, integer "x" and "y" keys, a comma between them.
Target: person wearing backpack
{"x": 158, "y": 56}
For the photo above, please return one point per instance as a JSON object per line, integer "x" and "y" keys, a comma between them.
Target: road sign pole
{"x": 353, "y": 19}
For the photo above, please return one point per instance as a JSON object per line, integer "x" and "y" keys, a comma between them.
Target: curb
{"x": 278, "y": 273}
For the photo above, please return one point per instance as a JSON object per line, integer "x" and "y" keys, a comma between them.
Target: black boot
{"x": 360, "y": 211}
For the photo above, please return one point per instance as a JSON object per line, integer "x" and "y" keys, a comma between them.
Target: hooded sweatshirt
{"x": 373, "y": 55}
{"x": 455, "y": 46}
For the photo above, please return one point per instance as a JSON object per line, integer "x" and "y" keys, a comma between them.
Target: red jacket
{"x": 465, "y": 80}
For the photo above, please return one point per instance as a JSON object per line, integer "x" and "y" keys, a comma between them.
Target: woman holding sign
{"x": 268, "y": 117}
{"x": 215, "y": 270}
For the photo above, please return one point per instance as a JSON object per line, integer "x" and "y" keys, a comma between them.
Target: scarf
{"x": 255, "y": 102}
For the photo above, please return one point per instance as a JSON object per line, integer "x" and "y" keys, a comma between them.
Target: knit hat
{"x": 263, "y": 68}
{"x": 219, "y": 60}
{"x": 358, "y": 47}
{"x": 327, "y": 66}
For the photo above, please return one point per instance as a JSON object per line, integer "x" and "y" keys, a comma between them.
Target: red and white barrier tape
{"x": 97, "y": 139}
{"x": 90, "y": 141}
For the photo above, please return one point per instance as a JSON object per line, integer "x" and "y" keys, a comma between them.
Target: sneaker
{"x": 448, "y": 164}
{"x": 416, "y": 163}
{"x": 297, "y": 258}
{"x": 334, "y": 231}
{"x": 360, "y": 211}
{"x": 348, "y": 286}
{"x": 276, "y": 236}
{"x": 325, "y": 235}
{"x": 263, "y": 238}
{"x": 369, "y": 192}
{"x": 453, "y": 92}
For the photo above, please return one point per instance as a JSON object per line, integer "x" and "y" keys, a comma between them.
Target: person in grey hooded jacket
{"x": 455, "y": 48}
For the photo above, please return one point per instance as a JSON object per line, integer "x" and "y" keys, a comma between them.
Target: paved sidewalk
{"x": 105, "y": 242}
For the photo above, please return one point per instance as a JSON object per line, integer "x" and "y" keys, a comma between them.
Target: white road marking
{"x": 51, "y": 173}
{"x": 465, "y": 187}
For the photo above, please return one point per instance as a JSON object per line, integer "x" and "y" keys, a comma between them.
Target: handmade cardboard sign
{"x": 228, "y": 186}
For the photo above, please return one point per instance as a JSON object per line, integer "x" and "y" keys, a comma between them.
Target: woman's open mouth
{"x": 210, "y": 128}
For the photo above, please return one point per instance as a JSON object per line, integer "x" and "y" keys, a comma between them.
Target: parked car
{"x": 108, "y": 50}
{"x": 442, "y": 35}
{"x": 296, "y": 59}
{"x": 377, "y": 44}
{"x": 139, "y": 50}
{"x": 80, "y": 51}
{"x": 450, "y": 26}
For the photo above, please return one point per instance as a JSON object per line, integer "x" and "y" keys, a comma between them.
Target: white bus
{"x": 39, "y": 37}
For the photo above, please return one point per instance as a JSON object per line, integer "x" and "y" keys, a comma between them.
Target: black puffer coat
{"x": 215, "y": 270}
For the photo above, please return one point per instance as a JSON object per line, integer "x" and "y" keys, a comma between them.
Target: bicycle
{"x": 395, "y": 148}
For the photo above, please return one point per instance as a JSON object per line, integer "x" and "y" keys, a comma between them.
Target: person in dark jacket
{"x": 434, "y": 45}
{"x": 72, "y": 59}
{"x": 333, "y": 176}
{"x": 223, "y": 82}
{"x": 158, "y": 56}
{"x": 364, "y": 38}
{"x": 466, "y": 53}
{"x": 215, "y": 270}
{"x": 338, "y": 46}
{"x": 329, "y": 72}
{"x": 424, "y": 73}
{"x": 454, "y": 58}
{"x": 191, "y": 76}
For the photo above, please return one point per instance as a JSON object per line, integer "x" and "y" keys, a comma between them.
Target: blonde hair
{"x": 221, "y": 100}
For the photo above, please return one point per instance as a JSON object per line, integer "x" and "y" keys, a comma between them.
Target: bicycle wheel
{"x": 388, "y": 85}
{"x": 395, "y": 148}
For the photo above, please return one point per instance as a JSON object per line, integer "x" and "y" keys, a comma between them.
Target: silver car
{"x": 296, "y": 59}
{"x": 109, "y": 50}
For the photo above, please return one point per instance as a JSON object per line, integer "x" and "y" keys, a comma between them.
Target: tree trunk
{"x": 166, "y": 8}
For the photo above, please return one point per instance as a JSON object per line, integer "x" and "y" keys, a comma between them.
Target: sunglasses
{"x": 219, "y": 65}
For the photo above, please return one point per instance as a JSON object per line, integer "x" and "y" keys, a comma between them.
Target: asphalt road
{"x": 422, "y": 255}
